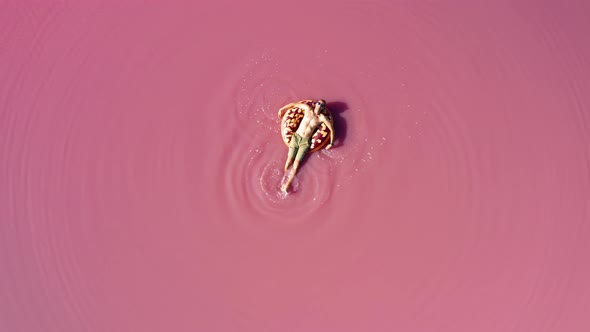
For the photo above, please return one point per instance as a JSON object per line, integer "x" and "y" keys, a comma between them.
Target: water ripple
{"x": 253, "y": 176}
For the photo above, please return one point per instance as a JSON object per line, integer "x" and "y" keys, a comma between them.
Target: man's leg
{"x": 290, "y": 157}
{"x": 288, "y": 163}
{"x": 298, "y": 158}
{"x": 292, "y": 174}
{"x": 293, "y": 149}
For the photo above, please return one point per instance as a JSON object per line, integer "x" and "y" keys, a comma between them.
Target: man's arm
{"x": 305, "y": 108}
{"x": 284, "y": 108}
{"x": 330, "y": 126}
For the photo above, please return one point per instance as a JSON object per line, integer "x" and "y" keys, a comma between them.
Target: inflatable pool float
{"x": 291, "y": 120}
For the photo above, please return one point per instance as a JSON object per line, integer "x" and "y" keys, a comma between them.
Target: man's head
{"x": 320, "y": 106}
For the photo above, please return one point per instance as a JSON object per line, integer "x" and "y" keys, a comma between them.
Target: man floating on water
{"x": 301, "y": 141}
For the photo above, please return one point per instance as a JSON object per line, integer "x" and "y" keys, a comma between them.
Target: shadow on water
{"x": 337, "y": 108}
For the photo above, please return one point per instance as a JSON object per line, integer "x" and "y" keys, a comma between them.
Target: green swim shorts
{"x": 298, "y": 147}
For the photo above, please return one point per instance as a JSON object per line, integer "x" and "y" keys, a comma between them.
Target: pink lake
{"x": 140, "y": 164}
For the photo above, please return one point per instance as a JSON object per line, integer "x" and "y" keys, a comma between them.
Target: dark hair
{"x": 323, "y": 108}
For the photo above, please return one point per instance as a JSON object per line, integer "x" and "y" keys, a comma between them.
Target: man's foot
{"x": 284, "y": 188}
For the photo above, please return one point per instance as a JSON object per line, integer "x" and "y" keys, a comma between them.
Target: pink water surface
{"x": 140, "y": 164}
